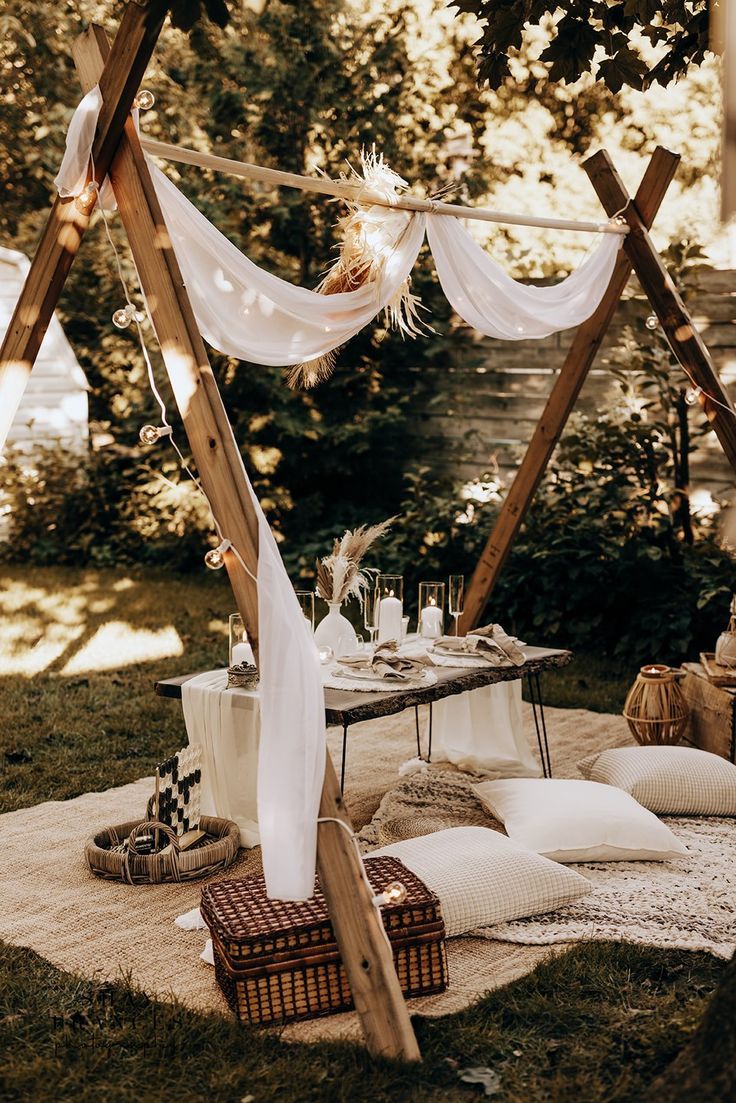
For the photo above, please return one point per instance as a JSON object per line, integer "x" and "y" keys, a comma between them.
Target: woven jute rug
{"x": 53, "y": 904}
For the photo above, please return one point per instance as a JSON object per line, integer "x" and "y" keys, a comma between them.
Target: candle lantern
{"x": 655, "y": 708}
{"x": 431, "y": 609}
{"x": 240, "y": 650}
{"x": 390, "y": 589}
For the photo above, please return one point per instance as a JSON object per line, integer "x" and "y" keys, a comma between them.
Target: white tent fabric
{"x": 479, "y": 290}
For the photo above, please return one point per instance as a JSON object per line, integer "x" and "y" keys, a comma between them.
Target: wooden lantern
{"x": 655, "y": 708}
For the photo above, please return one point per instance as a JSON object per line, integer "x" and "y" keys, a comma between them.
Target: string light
{"x": 215, "y": 557}
{"x": 150, "y": 434}
{"x": 692, "y": 394}
{"x": 144, "y": 100}
{"x": 652, "y": 321}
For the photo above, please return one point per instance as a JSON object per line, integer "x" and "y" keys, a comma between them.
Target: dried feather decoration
{"x": 370, "y": 234}
{"x": 339, "y": 575}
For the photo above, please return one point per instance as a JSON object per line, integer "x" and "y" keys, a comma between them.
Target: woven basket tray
{"x": 211, "y": 855}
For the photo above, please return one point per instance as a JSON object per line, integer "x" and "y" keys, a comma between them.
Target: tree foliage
{"x": 630, "y": 43}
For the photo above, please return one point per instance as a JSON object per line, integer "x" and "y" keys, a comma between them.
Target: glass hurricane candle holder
{"x": 431, "y": 609}
{"x": 306, "y": 604}
{"x": 390, "y": 593}
{"x": 239, "y": 650}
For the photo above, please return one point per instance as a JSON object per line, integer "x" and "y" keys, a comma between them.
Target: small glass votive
{"x": 306, "y": 604}
{"x": 431, "y": 609}
{"x": 239, "y": 650}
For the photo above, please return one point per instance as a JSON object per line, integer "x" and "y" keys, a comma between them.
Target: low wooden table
{"x": 346, "y": 707}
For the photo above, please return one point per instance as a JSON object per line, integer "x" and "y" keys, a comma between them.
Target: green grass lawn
{"x": 80, "y": 652}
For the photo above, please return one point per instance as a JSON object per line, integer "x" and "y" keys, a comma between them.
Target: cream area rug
{"x": 54, "y": 905}
{"x": 688, "y": 904}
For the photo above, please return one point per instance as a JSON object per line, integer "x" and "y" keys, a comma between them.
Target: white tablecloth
{"x": 228, "y": 736}
{"x": 482, "y": 730}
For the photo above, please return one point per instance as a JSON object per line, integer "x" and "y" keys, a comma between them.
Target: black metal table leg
{"x": 416, "y": 722}
{"x": 535, "y": 695}
{"x": 344, "y": 756}
{"x": 429, "y": 747}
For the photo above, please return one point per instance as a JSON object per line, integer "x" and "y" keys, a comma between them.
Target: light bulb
{"x": 144, "y": 100}
{"x": 214, "y": 558}
{"x": 395, "y": 893}
{"x": 692, "y": 394}
{"x": 87, "y": 198}
{"x": 652, "y": 321}
{"x": 121, "y": 318}
{"x": 149, "y": 434}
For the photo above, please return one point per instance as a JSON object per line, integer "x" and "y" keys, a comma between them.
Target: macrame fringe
{"x": 369, "y": 236}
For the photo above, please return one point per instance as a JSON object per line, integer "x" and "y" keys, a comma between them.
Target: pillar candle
{"x": 431, "y": 622}
{"x": 389, "y": 619}
{"x": 242, "y": 653}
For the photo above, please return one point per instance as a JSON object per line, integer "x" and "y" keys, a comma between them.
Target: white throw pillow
{"x": 481, "y": 877}
{"x": 672, "y": 781}
{"x": 578, "y": 821}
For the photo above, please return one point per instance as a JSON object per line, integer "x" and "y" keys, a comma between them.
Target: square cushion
{"x": 672, "y": 781}
{"x": 578, "y": 821}
{"x": 481, "y": 877}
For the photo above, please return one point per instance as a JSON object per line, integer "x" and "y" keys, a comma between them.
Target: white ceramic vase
{"x": 337, "y": 632}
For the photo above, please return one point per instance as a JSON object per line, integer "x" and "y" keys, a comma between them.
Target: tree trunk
{"x": 705, "y": 1070}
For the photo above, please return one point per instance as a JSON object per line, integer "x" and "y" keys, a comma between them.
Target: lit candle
{"x": 431, "y": 620}
{"x": 242, "y": 653}
{"x": 389, "y": 618}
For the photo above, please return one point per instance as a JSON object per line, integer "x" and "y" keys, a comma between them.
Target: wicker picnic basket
{"x": 278, "y": 961}
{"x": 109, "y": 857}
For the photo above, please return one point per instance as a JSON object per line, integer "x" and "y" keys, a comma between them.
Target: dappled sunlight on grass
{"x": 117, "y": 644}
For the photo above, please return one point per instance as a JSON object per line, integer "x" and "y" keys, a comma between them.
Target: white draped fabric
{"x": 253, "y": 315}
{"x": 479, "y": 290}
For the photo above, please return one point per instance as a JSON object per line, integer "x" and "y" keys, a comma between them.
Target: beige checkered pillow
{"x": 482, "y": 877}
{"x": 671, "y": 781}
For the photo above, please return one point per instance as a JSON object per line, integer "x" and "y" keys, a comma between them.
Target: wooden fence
{"x": 486, "y": 403}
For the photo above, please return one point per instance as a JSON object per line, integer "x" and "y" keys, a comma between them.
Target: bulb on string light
{"x": 215, "y": 558}
{"x": 144, "y": 100}
{"x": 124, "y": 316}
{"x": 692, "y": 394}
{"x": 395, "y": 893}
{"x": 87, "y": 198}
{"x": 149, "y": 434}
{"x": 652, "y": 321}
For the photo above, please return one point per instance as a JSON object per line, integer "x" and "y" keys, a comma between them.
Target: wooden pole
{"x": 131, "y": 51}
{"x": 585, "y": 345}
{"x": 684, "y": 340}
{"x": 355, "y": 192}
{"x": 365, "y": 951}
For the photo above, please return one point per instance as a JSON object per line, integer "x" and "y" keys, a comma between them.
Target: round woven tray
{"x": 411, "y": 826}
{"x": 214, "y": 853}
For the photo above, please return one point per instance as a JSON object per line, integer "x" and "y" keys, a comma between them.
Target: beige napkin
{"x": 490, "y": 643}
{"x": 385, "y": 662}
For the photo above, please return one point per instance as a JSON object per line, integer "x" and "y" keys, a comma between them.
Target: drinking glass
{"x": 456, "y": 596}
{"x": 306, "y": 604}
{"x": 371, "y": 607}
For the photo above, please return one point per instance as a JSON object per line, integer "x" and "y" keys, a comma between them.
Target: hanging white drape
{"x": 253, "y": 315}
{"x": 483, "y": 295}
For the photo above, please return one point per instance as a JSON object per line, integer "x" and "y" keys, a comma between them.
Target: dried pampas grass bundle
{"x": 339, "y": 575}
{"x": 369, "y": 233}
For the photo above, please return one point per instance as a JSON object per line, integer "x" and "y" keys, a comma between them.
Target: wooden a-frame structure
{"x": 119, "y": 69}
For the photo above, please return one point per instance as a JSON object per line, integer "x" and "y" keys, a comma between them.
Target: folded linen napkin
{"x": 491, "y": 643}
{"x": 385, "y": 662}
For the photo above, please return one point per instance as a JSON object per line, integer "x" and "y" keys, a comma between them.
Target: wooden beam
{"x": 563, "y": 396}
{"x": 66, "y": 225}
{"x": 686, "y": 343}
{"x": 365, "y": 951}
